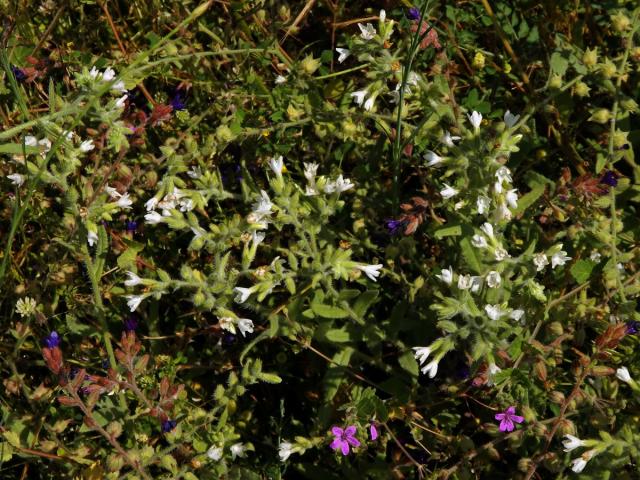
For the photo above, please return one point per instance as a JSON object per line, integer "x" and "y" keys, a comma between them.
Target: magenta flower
{"x": 507, "y": 418}
{"x": 344, "y": 438}
{"x": 374, "y": 431}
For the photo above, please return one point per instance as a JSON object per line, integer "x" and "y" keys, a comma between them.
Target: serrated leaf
{"x": 558, "y": 63}
{"x": 364, "y": 301}
{"x": 581, "y": 270}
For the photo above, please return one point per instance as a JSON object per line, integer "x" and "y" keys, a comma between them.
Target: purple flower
{"x": 130, "y": 324}
{"x": 609, "y": 178}
{"x": 344, "y": 438}
{"x": 131, "y": 226}
{"x": 168, "y": 425}
{"x": 178, "y": 101}
{"x": 394, "y": 226}
{"x": 373, "y": 431}
{"x": 52, "y": 340}
{"x": 507, "y": 418}
{"x": 633, "y": 327}
{"x": 413, "y": 14}
{"x": 19, "y": 74}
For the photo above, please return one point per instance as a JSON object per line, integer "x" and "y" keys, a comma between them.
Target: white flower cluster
{"x": 237, "y": 450}
{"x": 171, "y": 201}
{"x": 558, "y": 258}
{"x": 571, "y": 442}
{"x": 313, "y": 187}
{"x": 26, "y": 306}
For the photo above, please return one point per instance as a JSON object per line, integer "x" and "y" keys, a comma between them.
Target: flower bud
{"x": 478, "y": 61}
{"x": 114, "y": 429}
{"x": 629, "y": 105}
{"x": 310, "y": 64}
{"x": 590, "y": 57}
{"x": 284, "y": 13}
{"x": 608, "y": 68}
{"x": 620, "y": 139}
{"x": 555, "y": 82}
{"x": 224, "y": 134}
{"x": 556, "y": 328}
{"x": 540, "y": 429}
{"x": 524, "y": 464}
{"x": 601, "y": 116}
{"x": 556, "y": 397}
{"x": 620, "y": 22}
{"x": 566, "y": 427}
{"x": 581, "y": 89}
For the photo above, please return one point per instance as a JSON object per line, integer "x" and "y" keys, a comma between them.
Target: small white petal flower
{"x": 109, "y": 74}
{"x": 422, "y": 353}
{"x": 503, "y": 174}
{"x": 310, "y": 171}
{"x": 448, "y": 191}
{"x": 431, "y": 369}
{"x": 623, "y": 374}
{"x": 120, "y": 102}
{"x": 487, "y": 228}
{"x": 30, "y": 141}
{"x": 343, "y": 54}
{"x": 151, "y": 204}
{"x": 280, "y": 79}
{"x": 311, "y": 191}
{"x": 510, "y": 119}
{"x": 195, "y": 173}
{"x": 432, "y": 158}
{"x": 512, "y": 198}
{"x": 482, "y": 203}
{"x": 367, "y": 32}
{"x": 476, "y": 119}
{"x": 285, "y": 449}
{"x": 503, "y": 213}
{"x": 571, "y": 443}
{"x": 559, "y": 258}
{"x": 492, "y": 371}
{"x": 245, "y": 326}
{"x": 595, "y": 256}
{"x": 371, "y": 271}
{"x": 92, "y": 238}
{"x": 501, "y": 254}
{"x": 277, "y": 165}
{"x": 237, "y": 450}
{"x": 124, "y": 201}
{"x": 228, "y": 324}
{"x": 243, "y": 294}
{"x": 446, "y": 275}
{"x": 578, "y": 464}
{"x": 339, "y": 186}
{"x": 383, "y": 15}
{"x": 134, "y": 301}
{"x": 464, "y": 282}
{"x": 448, "y": 139}
{"x": 16, "y": 179}
{"x": 214, "y": 453}
{"x": 46, "y": 143}
{"x": 540, "y": 260}
{"x": 262, "y": 207}
{"x": 257, "y": 238}
{"x": 358, "y": 96}
{"x": 517, "y": 315}
{"x": 368, "y": 105}
{"x": 94, "y": 73}
{"x": 479, "y": 241}
{"x": 26, "y": 306}
{"x": 476, "y": 284}
{"x": 494, "y": 311}
{"x": 153, "y": 218}
{"x": 119, "y": 86}
{"x": 87, "y": 146}
{"x": 493, "y": 279}
{"x": 133, "y": 280}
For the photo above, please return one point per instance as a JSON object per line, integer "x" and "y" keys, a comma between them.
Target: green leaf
{"x": 529, "y": 198}
{"x": 269, "y": 378}
{"x": 581, "y": 270}
{"x": 338, "y": 335}
{"x": 408, "y": 362}
{"x": 559, "y": 64}
{"x": 364, "y": 301}
{"x": 6, "y": 452}
{"x": 17, "y": 149}
{"x": 470, "y": 254}
{"x": 450, "y": 231}
{"x": 328, "y": 311}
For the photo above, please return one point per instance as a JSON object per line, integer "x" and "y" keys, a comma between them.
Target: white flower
{"x": 120, "y": 101}
{"x": 623, "y": 374}
{"x": 493, "y": 279}
{"x": 186, "y": 205}
{"x": 448, "y": 191}
{"x": 109, "y": 74}
{"x": 383, "y": 15}
{"x": 359, "y": 96}
{"x": 578, "y": 464}
{"x": 512, "y": 198}
{"x": 195, "y": 172}
{"x": 571, "y": 443}
{"x": 262, "y": 207}
{"x": 476, "y": 284}
{"x": 503, "y": 174}
{"x": 494, "y": 311}
{"x": 277, "y": 165}
{"x": 422, "y": 353}
{"x": 448, "y": 139}
{"x": 503, "y": 213}
{"x": 87, "y": 146}
{"x": 343, "y": 54}
{"x": 368, "y": 105}
{"x": 280, "y": 79}
{"x": 483, "y": 203}
{"x": 151, "y": 204}
{"x": 92, "y": 238}
{"x": 479, "y": 241}
{"x": 257, "y": 238}
{"x": 16, "y": 179}
{"x": 310, "y": 171}
{"x": 228, "y": 324}
{"x": 124, "y": 201}
{"x": 595, "y": 256}
{"x": 214, "y": 453}
{"x": 119, "y": 86}
{"x": 464, "y": 282}
{"x": 153, "y": 217}
{"x": 446, "y": 275}
{"x": 245, "y": 326}
{"x": 516, "y": 314}
{"x": 285, "y": 449}
{"x": 510, "y": 119}
{"x": 501, "y": 254}
{"x": 112, "y": 192}
{"x": 492, "y": 371}
{"x": 46, "y": 143}
{"x": 559, "y": 258}
{"x": 487, "y": 228}
{"x": 371, "y": 271}
{"x": 540, "y": 260}
{"x": 94, "y": 73}
{"x": 430, "y": 369}
{"x": 133, "y": 280}
{"x": 134, "y": 301}
{"x": 459, "y": 205}
{"x": 367, "y": 32}
{"x": 432, "y": 158}
{"x": 339, "y": 186}
{"x": 237, "y": 450}
{"x": 26, "y": 306}
{"x": 476, "y": 119}
{"x": 30, "y": 141}
{"x": 243, "y": 294}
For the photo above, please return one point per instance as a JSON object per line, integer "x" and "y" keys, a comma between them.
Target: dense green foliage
{"x": 320, "y": 239}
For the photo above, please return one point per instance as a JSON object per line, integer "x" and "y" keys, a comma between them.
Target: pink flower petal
{"x": 517, "y": 418}
{"x": 337, "y": 431}
{"x": 353, "y": 441}
{"x": 500, "y": 416}
{"x": 345, "y": 448}
{"x": 350, "y": 431}
{"x": 374, "y": 431}
{"x": 506, "y": 425}
{"x": 336, "y": 444}
{"x": 511, "y": 410}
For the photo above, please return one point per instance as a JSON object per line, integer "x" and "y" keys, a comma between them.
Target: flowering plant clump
{"x": 278, "y": 240}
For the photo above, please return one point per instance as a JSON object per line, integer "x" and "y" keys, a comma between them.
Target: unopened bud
{"x": 524, "y": 464}
{"x": 601, "y": 116}
{"x": 556, "y": 328}
{"x": 566, "y": 427}
{"x": 581, "y": 89}
{"x": 555, "y": 82}
{"x": 590, "y": 57}
{"x": 556, "y": 397}
{"x": 620, "y": 22}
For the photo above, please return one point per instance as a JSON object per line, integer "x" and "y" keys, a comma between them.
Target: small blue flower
{"x": 168, "y": 425}
{"x": 19, "y": 74}
{"x": 131, "y": 226}
{"x": 609, "y": 178}
{"x": 178, "y": 101}
{"x": 52, "y": 340}
{"x": 131, "y": 324}
{"x": 633, "y": 327}
{"x": 395, "y": 226}
{"x": 413, "y": 14}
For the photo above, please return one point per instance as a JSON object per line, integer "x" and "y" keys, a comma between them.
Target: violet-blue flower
{"x": 52, "y": 340}
{"x": 168, "y": 425}
{"x": 344, "y": 438}
{"x": 394, "y": 226}
{"x": 131, "y": 324}
{"x": 178, "y": 101}
{"x": 609, "y": 178}
{"x": 507, "y": 418}
{"x": 413, "y": 14}
{"x": 19, "y": 73}
{"x": 633, "y": 327}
